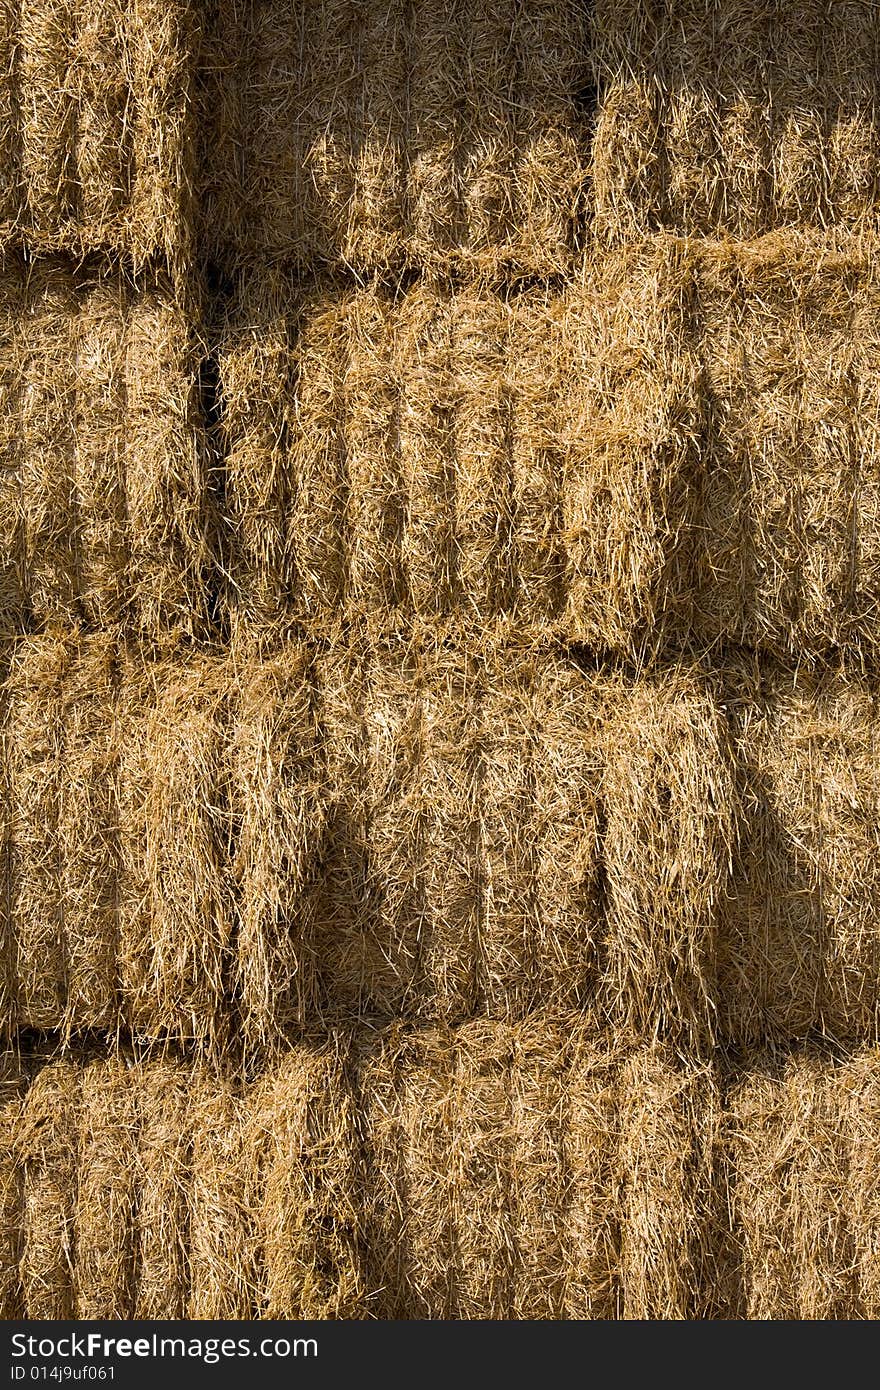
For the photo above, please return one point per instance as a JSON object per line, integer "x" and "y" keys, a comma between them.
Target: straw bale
{"x": 371, "y": 411}
{"x": 9, "y": 126}
{"x": 668, "y": 844}
{"x": 164, "y": 1175}
{"x": 99, "y": 502}
{"x": 12, "y": 579}
{"x": 175, "y": 905}
{"x": 48, "y": 116}
{"x": 165, "y": 466}
{"x": 537, "y": 384}
{"x": 484, "y": 510}
{"x": 626, "y": 172}
{"x": 222, "y": 1255}
{"x": 433, "y": 187}
{"x": 12, "y": 1088}
{"x": 591, "y": 1231}
{"x": 46, "y": 1145}
{"x": 788, "y": 1136}
{"x": 35, "y": 760}
{"x": 163, "y": 44}
{"x": 318, "y": 508}
{"x": 785, "y": 557}
{"x": 630, "y": 433}
{"x": 426, "y": 443}
{"x": 552, "y": 44}
{"x": 668, "y": 1114}
{"x": 799, "y": 942}
{"x": 102, "y": 124}
{"x": 106, "y": 1190}
{"x": 47, "y": 432}
{"x": 375, "y": 223}
{"x": 280, "y": 798}
{"x": 303, "y": 1155}
{"x": 61, "y": 737}
{"x": 255, "y": 431}
{"x": 719, "y": 119}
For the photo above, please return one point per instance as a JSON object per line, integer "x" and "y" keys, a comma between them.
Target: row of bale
{"x": 232, "y": 847}
{"x": 680, "y": 448}
{"x": 486, "y": 1171}
{"x": 495, "y": 134}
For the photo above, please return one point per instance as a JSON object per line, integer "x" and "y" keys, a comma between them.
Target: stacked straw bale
{"x": 729, "y": 119}
{"x": 98, "y": 142}
{"x": 485, "y": 1171}
{"x": 456, "y": 453}
{"x": 388, "y": 134}
{"x": 399, "y": 829}
{"x": 103, "y": 493}
{"x": 799, "y": 945}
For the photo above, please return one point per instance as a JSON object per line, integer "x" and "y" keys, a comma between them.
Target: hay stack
{"x": 11, "y": 1193}
{"x": 222, "y": 1249}
{"x": 98, "y": 133}
{"x": 540, "y": 921}
{"x": 800, "y": 948}
{"x": 392, "y": 135}
{"x": 785, "y": 555}
{"x": 61, "y": 737}
{"x": 718, "y": 119}
{"x": 303, "y": 1162}
{"x": 591, "y": 1232}
{"x": 164, "y": 469}
{"x": 256, "y": 431}
{"x": 631, "y": 429}
{"x": 668, "y": 1115}
{"x": 164, "y": 1175}
{"x": 107, "y": 1190}
{"x": 46, "y": 1145}
{"x": 103, "y": 488}
{"x": 789, "y": 1139}
{"x": 279, "y": 797}
{"x": 668, "y": 842}
{"x": 174, "y": 896}
{"x": 46, "y": 355}
{"x": 33, "y": 741}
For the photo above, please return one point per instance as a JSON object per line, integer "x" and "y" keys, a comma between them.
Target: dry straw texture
{"x": 103, "y": 488}
{"x": 398, "y": 829}
{"x": 487, "y": 1171}
{"x": 716, "y": 118}
{"x": 462, "y": 453}
{"x": 411, "y": 829}
{"x": 378, "y": 133}
{"x": 800, "y": 943}
{"x": 98, "y": 138}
